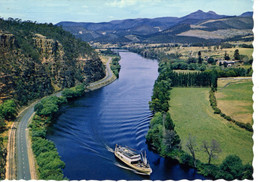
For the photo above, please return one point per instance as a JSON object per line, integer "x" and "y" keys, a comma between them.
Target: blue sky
{"x": 55, "y": 11}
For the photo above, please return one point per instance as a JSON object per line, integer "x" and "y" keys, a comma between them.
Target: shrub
{"x": 8, "y": 109}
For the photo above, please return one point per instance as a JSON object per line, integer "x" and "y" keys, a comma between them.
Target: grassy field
{"x": 234, "y": 98}
{"x": 192, "y": 114}
{"x": 208, "y": 51}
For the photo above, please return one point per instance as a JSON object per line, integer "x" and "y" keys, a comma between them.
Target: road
{"x": 110, "y": 77}
{"x": 20, "y": 137}
{"x": 23, "y": 168}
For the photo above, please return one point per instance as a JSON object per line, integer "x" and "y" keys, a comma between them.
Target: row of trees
{"x": 8, "y": 111}
{"x": 115, "y": 66}
{"x": 159, "y": 139}
{"x": 3, "y": 153}
{"x": 161, "y": 136}
{"x": 231, "y": 167}
{"x": 213, "y": 103}
{"x": 48, "y": 160}
{"x": 167, "y": 79}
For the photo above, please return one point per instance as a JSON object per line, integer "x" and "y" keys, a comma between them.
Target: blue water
{"x": 86, "y": 133}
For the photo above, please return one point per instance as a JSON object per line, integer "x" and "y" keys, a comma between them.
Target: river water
{"x": 87, "y": 131}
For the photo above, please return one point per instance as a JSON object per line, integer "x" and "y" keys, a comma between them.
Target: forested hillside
{"x": 37, "y": 59}
{"x": 197, "y": 27}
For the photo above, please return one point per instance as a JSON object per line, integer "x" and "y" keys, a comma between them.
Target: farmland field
{"x": 192, "y": 114}
{"x": 234, "y": 98}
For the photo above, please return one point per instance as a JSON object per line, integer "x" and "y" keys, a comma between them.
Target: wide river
{"x": 86, "y": 132}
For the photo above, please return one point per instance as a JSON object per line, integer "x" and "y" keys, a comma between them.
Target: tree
{"x": 226, "y": 56}
{"x": 199, "y": 59}
{"x": 211, "y": 60}
{"x": 8, "y": 109}
{"x": 2, "y": 123}
{"x": 171, "y": 140}
{"x": 168, "y": 123}
{"x": 192, "y": 147}
{"x": 154, "y": 137}
{"x": 232, "y": 168}
{"x": 236, "y": 55}
{"x": 211, "y": 149}
{"x": 191, "y": 60}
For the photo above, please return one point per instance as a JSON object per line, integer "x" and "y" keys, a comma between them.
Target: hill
{"x": 38, "y": 59}
{"x": 198, "y": 26}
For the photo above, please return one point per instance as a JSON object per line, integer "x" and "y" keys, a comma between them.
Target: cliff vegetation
{"x": 38, "y": 59}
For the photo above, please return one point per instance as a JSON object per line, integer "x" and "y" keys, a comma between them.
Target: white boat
{"x": 133, "y": 159}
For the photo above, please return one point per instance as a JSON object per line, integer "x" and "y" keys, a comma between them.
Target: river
{"x": 88, "y": 129}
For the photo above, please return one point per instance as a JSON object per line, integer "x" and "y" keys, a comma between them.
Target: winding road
{"x": 18, "y": 166}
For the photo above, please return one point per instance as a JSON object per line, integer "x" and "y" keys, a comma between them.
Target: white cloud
{"x": 122, "y": 3}
{"x": 126, "y": 3}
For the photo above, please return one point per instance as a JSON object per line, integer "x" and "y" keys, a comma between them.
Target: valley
{"x": 179, "y": 88}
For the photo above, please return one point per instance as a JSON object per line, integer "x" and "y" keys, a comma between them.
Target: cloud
{"x": 127, "y": 3}
{"x": 122, "y": 3}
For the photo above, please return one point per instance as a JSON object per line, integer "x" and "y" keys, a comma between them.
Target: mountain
{"x": 38, "y": 59}
{"x": 201, "y": 15}
{"x": 194, "y": 27}
{"x": 247, "y": 14}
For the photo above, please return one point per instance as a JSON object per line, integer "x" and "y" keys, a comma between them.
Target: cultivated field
{"x": 234, "y": 98}
{"x": 210, "y": 51}
{"x": 192, "y": 114}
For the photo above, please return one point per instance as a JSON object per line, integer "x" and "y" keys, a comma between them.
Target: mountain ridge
{"x": 143, "y": 29}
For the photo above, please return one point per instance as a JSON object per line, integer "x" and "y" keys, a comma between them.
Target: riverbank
{"x": 166, "y": 143}
{"x": 108, "y": 79}
{"x": 68, "y": 95}
{"x": 11, "y": 167}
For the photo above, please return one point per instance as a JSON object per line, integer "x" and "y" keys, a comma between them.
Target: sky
{"x": 54, "y": 11}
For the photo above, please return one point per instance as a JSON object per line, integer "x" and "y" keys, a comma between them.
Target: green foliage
{"x": 168, "y": 123}
{"x": 236, "y": 55}
{"x": 2, "y": 123}
{"x": 156, "y": 120}
{"x": 109, "y": 52}
{"x": 161, "y": 136}
{"x": 8, "y": 110}
{"x": 186, "y": 159}
{"x": 171, "y": 141}
{"x": 49, "y": 106}
{"x": 74, "y": 92}
{"x": 3, "y": 154}
{"x": 231, "y": 168}
{"x": 246, "y": 46}
{"x": 213, "y": 103}
{"x": 115, "y": 66}
{"x": 211, "y": 60}
{"x": 47, "y": 159}
{"x": 32, "y": 79}
{"x": 154, "y": 137}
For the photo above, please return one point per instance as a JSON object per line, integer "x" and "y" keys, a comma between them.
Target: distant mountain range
{"x": 198, "y": 26}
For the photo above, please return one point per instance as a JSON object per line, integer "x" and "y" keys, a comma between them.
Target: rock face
{"x": 48, "y": 68}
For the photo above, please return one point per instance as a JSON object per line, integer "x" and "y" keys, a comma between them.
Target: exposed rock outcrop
{"x": 29, "y": 76}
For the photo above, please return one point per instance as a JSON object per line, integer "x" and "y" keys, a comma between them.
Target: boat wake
{"x": 128, "y": 168}
{"x": 109, "y": 149}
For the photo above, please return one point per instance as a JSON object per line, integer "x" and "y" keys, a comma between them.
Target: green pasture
{"x": 192, "y": 114}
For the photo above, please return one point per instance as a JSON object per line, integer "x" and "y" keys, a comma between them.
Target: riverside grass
{"x": 192, "y": 114}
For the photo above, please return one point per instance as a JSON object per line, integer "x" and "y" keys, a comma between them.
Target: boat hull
{"x": 144, "y": 171}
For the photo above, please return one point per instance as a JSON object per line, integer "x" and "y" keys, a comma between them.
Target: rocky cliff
{"x": 34, "y": 64}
